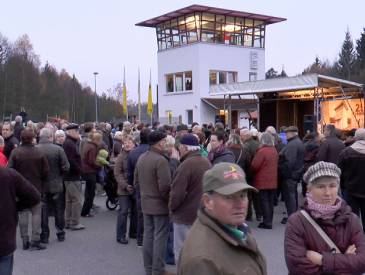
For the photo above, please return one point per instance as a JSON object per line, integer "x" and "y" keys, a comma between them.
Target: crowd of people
{"x": 187, "y": 192}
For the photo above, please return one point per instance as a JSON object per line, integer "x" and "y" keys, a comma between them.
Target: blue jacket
{"x": 133, "y": 157}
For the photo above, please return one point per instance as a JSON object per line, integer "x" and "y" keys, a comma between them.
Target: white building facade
{"x": 199, "y": 47}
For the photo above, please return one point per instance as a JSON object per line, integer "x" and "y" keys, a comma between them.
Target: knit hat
{"x": 321, "y": 169}
{"x": 156, "y": 136}
{"x": 189, "y": 139}
{"x": 226, "y": 179}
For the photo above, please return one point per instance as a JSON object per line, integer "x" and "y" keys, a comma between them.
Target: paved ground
{"x": 94, "y": 251}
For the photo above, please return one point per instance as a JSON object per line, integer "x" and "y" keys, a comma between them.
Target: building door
{"x": 234, "y": 119}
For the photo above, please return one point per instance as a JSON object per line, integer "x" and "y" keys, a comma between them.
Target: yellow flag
{"x": 125, "y": 109}
{"x": 149, "y": 103}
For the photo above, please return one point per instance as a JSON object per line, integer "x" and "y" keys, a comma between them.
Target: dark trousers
{"x": 358, "y": 207}
{"x": 6, "y": 264}
{"x": 126, "y": 204}
{"x": 156, "y": 232}
{"x": 140, "y": 226}
{"x": 290, "y": 192}
{"x": 267, "y": 204}
{"x": 55, "y": 202}
{"x": 169, "y": 255}
{"x": 254, "y": 203}
{"x": 90, "y": 181}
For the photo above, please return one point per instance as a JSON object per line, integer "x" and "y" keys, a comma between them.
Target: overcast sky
{"x": 85, "y": 36}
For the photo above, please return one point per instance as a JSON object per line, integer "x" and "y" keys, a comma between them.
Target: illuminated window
{"x": 210, "y": 28}
{"x": 222, "y": 77}
{"x": 169, "y": 116}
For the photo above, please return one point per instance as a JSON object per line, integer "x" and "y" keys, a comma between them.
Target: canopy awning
{"x": 153, "y": 22}
{"x": 284, "y": 84}
{"x": 235, "y": 104}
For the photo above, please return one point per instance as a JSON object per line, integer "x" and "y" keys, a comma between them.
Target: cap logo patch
{"x": 232, "y": 174}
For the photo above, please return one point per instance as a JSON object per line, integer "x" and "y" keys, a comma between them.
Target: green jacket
{"x": 210, "y": 250}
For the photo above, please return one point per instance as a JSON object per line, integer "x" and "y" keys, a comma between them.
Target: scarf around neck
{"x": 212, "y": 154}
{"x": 323, "y": 211}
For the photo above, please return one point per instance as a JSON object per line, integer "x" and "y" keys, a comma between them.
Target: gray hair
{"x": 18, "y": 119}
{"x": 234, "y": 139}
{"x": 1, "y": 141}
{"x": 170, "y": 141}
{"x": 45, "y": 133}
{"x": 267, "y": 139}
{"x": 360, "y": 134}
{"x": 59, "y": 133}
{"x": 271, "y": 130}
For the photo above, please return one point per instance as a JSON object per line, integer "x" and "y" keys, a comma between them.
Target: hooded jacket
{"x": 344, "y": 230}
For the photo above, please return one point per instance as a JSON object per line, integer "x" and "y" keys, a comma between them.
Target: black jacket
{"x": 16, "y": 193}
{"x": 330, "y": 150}
{"x": 73, "y": 155}
{"x": 291, "y": 159}
{"x": 10, "y": 144}
{"x": 352, "y": 164}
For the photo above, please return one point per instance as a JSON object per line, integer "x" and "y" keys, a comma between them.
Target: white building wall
{"x": 200, "y": 58}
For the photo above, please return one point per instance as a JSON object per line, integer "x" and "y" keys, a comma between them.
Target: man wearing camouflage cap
{"x": 219, "y": 241}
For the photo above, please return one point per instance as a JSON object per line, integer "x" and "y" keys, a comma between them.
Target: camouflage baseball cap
{"x": 226, "y": 179}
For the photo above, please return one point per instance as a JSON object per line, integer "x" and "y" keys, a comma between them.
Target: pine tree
{"x": 360, "y": 50}
{"x": 347, "y": 56}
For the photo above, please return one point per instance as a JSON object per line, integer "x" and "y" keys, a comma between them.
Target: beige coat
{"x": 209, "y": 249}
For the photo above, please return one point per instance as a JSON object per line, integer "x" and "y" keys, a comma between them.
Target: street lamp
{"x": 96, "y": 99}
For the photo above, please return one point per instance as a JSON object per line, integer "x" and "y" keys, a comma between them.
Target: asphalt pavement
{"x": 94, "y": 251}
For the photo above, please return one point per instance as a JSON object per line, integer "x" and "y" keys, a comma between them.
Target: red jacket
{"x": 3, "y": 159}
{"x": 344, "y": 230}
{"x": 264, "y": 166}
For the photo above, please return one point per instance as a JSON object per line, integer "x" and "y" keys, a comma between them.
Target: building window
{"x": 210, "y": 28}
{"x": 252, "y": 76}
{"x": 190, "y": 116}
{"x": 170, "y": 83}
{"x": 188, "y": 81}
{"x": 169, "y": 116}
{"x": 212, "y": 78}
{"x": 222, "y": 77}
{"x": 179, "y": 82}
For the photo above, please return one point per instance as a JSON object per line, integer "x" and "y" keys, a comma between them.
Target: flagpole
{"x": 151, "y": 100}
{"x": 125, "y": 105}
{"x": 139, "y": 96}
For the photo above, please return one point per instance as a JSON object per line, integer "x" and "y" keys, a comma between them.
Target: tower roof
{"x": 200, "y": 8}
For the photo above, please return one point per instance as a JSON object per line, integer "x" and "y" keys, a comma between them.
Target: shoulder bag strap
{"x": 239, "y": 157}
{"x": 320, "y": 231}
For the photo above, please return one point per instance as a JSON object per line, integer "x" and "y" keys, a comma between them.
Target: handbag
{"x": 329, "y": 242}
